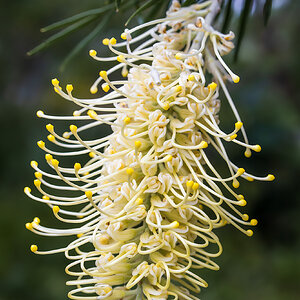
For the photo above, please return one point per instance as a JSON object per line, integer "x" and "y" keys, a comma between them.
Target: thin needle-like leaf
{"x": 267, "y": 11}
{"x": 63, "y": 33}
{"x": 227, "y": 17}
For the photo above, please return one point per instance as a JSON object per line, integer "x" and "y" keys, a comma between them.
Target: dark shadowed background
{"x": 265, "y": 266}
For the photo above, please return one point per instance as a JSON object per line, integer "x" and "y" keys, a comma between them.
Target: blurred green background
{"x": 266, "y": 266}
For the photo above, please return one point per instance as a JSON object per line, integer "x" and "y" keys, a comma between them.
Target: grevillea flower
{"x": 145, "y": 204}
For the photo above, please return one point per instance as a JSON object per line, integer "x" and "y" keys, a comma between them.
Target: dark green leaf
{"x": 85, "y": 41}
{"x": 267, "y": 11}
{"x": 117, "y": 4}
{"x": 148, "y": 4}
{"x": 227, "y": 17}
{"x": 188, "y": 2}
{"x": 155, "y": 10}
{"x": 77, "y": 17}
{"x": 242, "y": 26}
{"x": 63, "y": 33}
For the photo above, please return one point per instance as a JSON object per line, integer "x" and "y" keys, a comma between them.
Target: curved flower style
{"x": 148, "y": 199}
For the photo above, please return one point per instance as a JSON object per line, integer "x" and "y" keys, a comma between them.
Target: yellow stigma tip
{"x": 203, "y": 145}
{"x": 253, "y": 222}
{"x": 123, "y": 36}
{"x": 27, "y": 189}
{"x": 166, "y": 106}
{"x": 235, "y": 184}
{"x": 212, "y": 86}
{"x": 240, "y": 197}
{"x": 69, "y": 88}
{"x": 51, "y": 138}
{"x": 121, "y": 58}
{"x": 55, "y": 82}
{"x": 232, "y": 137}
{"x": 92, "y": 154}
{"x": 40, "y": 113}
{"x": 103, "y": 74}
{"x": 247, "y": 153}
{"x": 50, "y": 127}
{"x": 113, "y": 41}
{"x": 33, "y": 248}
{"x": 28, "y": 226}
{"x": 46, "y": 198}
{"x": 77, "y": 166}
{"x": 191, "y": 77}
{"x": 93, "y": 90}
{"x": 245, "y": 217}
{"x": 92, "y": 53}
{"x": 54, "y": 163}
{"x": 41, "y": 144}
{"x": 270, "y": 177}
{"x": 37, "y": 220}
{"x": 48, "y": 157}
{"x": 249, "y": 232}
{"x": 195, "y": 186}
{"x": 178, "y": 56}
{"x": 33, "y": 164}
{"x": 175, "y": 224}
{"x": 139, "y": 201}
{"x": 89, "y": 194}
{"x": 238, "y": 125}
{"x": 73, "y": 128}
{"x": 256, "y": 148}
{"x": 243, "y": 202}
{"x": 37, "y": 182}
{"x": 92, "y": 114}
{"x": 250, "y": 178}
{"x": 79, "y": 235}
{"x": 137, "y": 144}
{"x": 129, "y": 171}
{"x": 66, "y": 135}
{"x": 38, "y": 175}
{"x": 127, "y": 120}
{"x": 178, "y": 88}
{"x": 55, "y": 209}
{"x": 105, "y": 42}
{"x": 169, "y": 158}
{"x": 240, "y": 171}
{"x": 189, "y": 183}
{"x": 105, "y": 87}
{"x": 235, "y": 78}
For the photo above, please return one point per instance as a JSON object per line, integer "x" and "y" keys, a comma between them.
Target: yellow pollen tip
{"x": 93, "y": 52}
{"x": 127, "y": 120}
{"x": 77, "y": 166}
{"x": 247, "y": 153}
{"x": 168, "y": 158}
{"x": 105, "y": 87}
{"x": 69, "y": 88}
{"x": 137, "y": 144}
{"x": 243, "y": 202}
{"x": 33, "y": 248}
{"x": 121, "y": 58}
{"x": 28, "y": 226}
{"x": 55, "y": 82}
{"x": 66, "y": 135}
{"x": 235, "y": 184}
{"x": 191, "y": 77}
{"x": 212, "y": 86}
{"x": 103, "y": 74}
{"x": 50, "y": 127}
{"x": 48, "y": 157}
{"x": 238, "y": 125}
{"x": 92, "y": 114}
{"x": 166, "y": 106}
{"x": 54, "y": 163}
{"x": 37, "y": 182}
{"x": 195, "y": 186}
{"x": 73, "y": 128}
{"x": 139, "y": 201}
{"x": 249, "y": 232}
{"x": 51, "y": 138}
{"x": 270, "y": 177}
{"x": 46, "y": 198}
{"x": 245, "y": 217}
{"x": 256, "y": 148}
{"x": 92, "y": 154}
{"x": 37, "y": 220}
{"x": 55, "y": 209}
{"x": 104, "y": 239}
{"x": 174, "y": 224}
{"x": 38, "y": 175}
{"x": 124, "y": 36}
{"x": 240, "y": 171}
{"x": 240, "y": 197}
{"x": 89, "y": 194}
{"x": 93, "y": 90}
{"x": 76, "y": 113}
{"x": 178, "y": 88}
{"x": 178, "y": 56}
{"x": 40, "y": 113}
{"x": 33, "y": 164}
{"x": 189, "y": 183}
{"x": 253, "y": 222}
{"x": 124, "y": 72}
{"x": 113, "y": 41}
{"x": 41, "y": 144}
{"x": 129, "y": 171}
{"x": 233, "y": 136}
{"x": 203, "y": 145}
{"x": 235, "y": 78}
{"x": 105, "y": 42}
{"x": 250, "y": 178}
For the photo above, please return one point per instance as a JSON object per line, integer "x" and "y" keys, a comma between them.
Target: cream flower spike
{"x": 145, "y": 201}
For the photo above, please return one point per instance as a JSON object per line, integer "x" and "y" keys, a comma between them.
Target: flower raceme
{"x": 144, "y": 206}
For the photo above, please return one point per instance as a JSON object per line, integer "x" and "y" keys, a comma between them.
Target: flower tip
{"x": 178, "y": 56}
{"x": 29, "y": 226}
{"x": 235, "y": 78}
{"x": 103, "y": 74}
{"x": 112, "y": 41}
{"x": 33, "y": 164}
{"x": 89, "y": 194}
{"x": 249, "y": 232}
{"x": 55, "y": 209}
{"x": 137, "y": 144}
{"x": 36, "y": 220}
{"x": 270, "y": 177}
{"x": 243, "y": 202}
{"x": 27, "y": 190}
{"x": 50, "y": 128}
{"x": 105, "y": 87}
{"x": 240, "y": 171}
{"x": 235, "y": 184}
{"x": 245, "y": 217}
{"x": 39, "y": 113}
{"x": 256, "y": 148}
{"x": 77, "y": 166}
{"x": 69, "y": 88}
{"x": 129, "y": 171}
{"x": 92, "y": 53}
{"x": 73, "y": 128}
{"x": 238, "y": 125}
{"x": 48, "y": 157}
{"x": 191, "y": 77}
{"x": 105, "y": 42}
{"x": 41, "y": 144}
{"x": 253, "y": 222}
{"x": 124, "y": 36}
{"x": 55, "y": 82}
{"x": 33, "y": 248}
{"x": 212, "y": 86}
{"x": 247, "y": 153}
{"x": 93, "y": 90}
{"x": 51, "y": 138}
